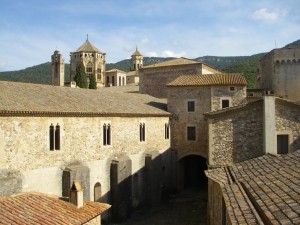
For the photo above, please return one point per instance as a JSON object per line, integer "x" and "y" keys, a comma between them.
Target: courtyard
{"x": 186, "y": 208}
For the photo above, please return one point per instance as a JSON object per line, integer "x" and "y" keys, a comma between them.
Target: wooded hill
{"x": 248, "y": 65}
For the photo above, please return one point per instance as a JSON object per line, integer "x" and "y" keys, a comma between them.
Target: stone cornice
{"x": 11, "y": 113}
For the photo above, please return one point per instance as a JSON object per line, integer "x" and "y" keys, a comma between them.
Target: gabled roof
{"x": 87, "y": 46}
{"x": 209, "y": 80}
{"x": 38, "y": 208}
{"x": 173, "y": 62}
{"x": 45, "y": 100}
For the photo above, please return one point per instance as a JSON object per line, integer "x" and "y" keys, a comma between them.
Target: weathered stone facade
{"x": 154, "y": 78}
{"x": 236, "y": 135}
{"x": 82, "y": 147}
{"x": 239, "y": 134}
{"x": 206, "y": 99}
{"x": 93, "y": 60}
{"x": 279, "y": 72}
{"x": 287, "y": 119}
{"x": 57, "y": 69}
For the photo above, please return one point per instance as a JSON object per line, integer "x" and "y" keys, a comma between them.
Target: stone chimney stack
{"x": 269, "y": 123}
{"x": 76, "y": 194}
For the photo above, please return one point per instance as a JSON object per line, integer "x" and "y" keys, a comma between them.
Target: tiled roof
{"x": 209, "y": 80}
{"x": 173, "y": 62}
{"x": 267, "y": 187}
{"x": 23, "y": 98}
{"x": 37, "y": 208}
{"x": 87, "y": 47}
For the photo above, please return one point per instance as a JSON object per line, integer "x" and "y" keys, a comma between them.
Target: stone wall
{"x": 236, "y": 136}
{"x": 287, "y": 119}
{"x": 153, "y": 81}
{"x": 279, "y": 71}
{"x": 223, "y": 92}
{"x": 177, "y": 105}
{"x": 25, "y": 149}
{"x": 215, "y": 204}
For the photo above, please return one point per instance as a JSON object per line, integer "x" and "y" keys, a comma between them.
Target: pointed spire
{"x": 87, "y": 37}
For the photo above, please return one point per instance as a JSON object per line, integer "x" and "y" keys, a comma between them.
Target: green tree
{"x": 93, "y": 83}
{"x": 80, "y": 76}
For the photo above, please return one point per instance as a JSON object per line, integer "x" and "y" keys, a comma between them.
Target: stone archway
{"x": 97, "y": 192}
{"x": 191, "y": 172}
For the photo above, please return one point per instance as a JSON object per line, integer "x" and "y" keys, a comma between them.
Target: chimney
{"x": 76, "y": 194}
{"x": 269, "y": 123}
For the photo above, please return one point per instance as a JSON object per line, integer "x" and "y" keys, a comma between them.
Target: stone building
{"x": 136, "y": 61}
{"x": 154, "y": 78}
{"x": 189, "y": 97}
{"x": 93, "y": 60}
{"x": 269, "y": 125}
{"x": 280, "y": 73}
{"x": 112, "y": 140}
{"x": 115, "y": 77}
{"x": 57, "y": 69}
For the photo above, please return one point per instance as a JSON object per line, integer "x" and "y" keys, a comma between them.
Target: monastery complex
{"x": 150, "y": 132}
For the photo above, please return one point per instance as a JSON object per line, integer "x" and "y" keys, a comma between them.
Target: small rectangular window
{"x": 191, "y": 106}
{"x": 167, "y": 131}
{"x": 282, "y": 144}
{"x": 231, "y": 88}
{"x": 191, "y": 133}
{"x": 225, "y": 103}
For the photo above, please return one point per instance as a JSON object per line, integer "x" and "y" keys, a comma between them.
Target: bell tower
{"x": 136, "y": 60}
{"x": 57, "y": 69}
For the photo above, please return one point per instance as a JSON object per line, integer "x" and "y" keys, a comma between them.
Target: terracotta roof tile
{"x": 38, "y": 208}
{"x": 173, "y": 62}
{"x": 269, "y": 183}
{"x": 209, "y": 80}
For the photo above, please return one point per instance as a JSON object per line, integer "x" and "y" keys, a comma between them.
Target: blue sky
{"x": 31, "y": 30}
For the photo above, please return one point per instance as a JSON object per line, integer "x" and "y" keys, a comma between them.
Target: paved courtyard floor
{"x": 186, "y": 208}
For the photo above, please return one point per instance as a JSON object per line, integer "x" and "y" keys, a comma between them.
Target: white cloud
{"x": 169, "y": 53}
{"x": 264, "y": 14}
{"x": 152, "y": 54}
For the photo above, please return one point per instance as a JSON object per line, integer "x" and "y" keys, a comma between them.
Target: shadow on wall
{"x": 146, "y": 187}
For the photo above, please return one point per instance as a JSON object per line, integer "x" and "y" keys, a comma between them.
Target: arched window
{"x": 167, "y": 131}
{"x": 120, "y": 82}
{"x": 106, "y": 134}
{"x": 54, "y": 137}
{"x": 89, "y": 69}
{"x": 57, "y": 137}
{"x": 51, "y": 137}
{"x": 97, "y": 192}
{"x": 142, "y": 132}
{"x": 123, "y": 81}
